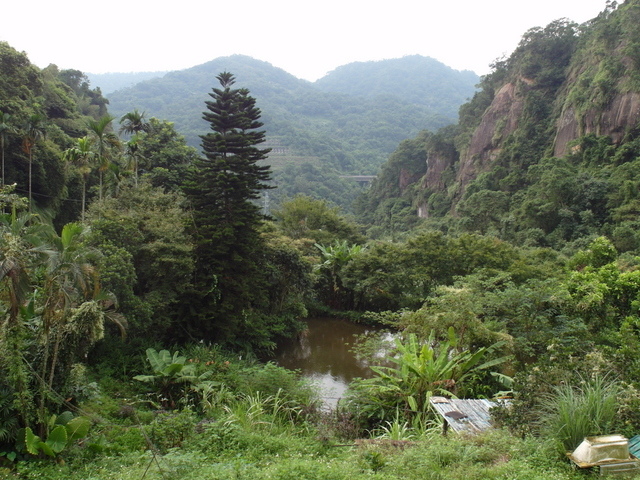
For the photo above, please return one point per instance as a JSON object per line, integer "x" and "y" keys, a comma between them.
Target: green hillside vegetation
{"x": 143, "y": 292}
{"x": 416, "y": 79}
{"x": 42, "y": 112}
{"x": 330, "y": 132}
{"x": 525, "y": 194}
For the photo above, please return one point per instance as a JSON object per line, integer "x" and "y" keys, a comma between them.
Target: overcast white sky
{"x": 305, "y": 38}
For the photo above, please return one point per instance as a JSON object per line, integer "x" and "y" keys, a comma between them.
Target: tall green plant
{"x": 6, "y": 128}
{"x": 571, "y": 413}
{"x": 231, "y": 287}
{"x": 170, "y": 374}
{"x": 70, "y": 280}
{"x": 105, "y": 143}
{"x": 81, "y": 155}
{"x": 34, "y": 129}
{"x": 423, "y": 370}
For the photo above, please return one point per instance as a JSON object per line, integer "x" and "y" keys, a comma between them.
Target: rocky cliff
{"x": 499, "y": 121}
{"x": 580, "y": 77}
{"x": 545, "y": 145}
{"x": 622, "y": 113}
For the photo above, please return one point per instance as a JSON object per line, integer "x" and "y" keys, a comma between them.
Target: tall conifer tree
{"x": 222, "y": 188}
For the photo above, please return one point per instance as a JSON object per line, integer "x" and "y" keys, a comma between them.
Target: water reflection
{"x": 323, "y": 354}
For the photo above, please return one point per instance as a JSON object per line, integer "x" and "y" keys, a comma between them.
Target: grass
{"x": 230, "y": 451}
{"x": 571, "y": 413}
{"x": 257, "y": 433}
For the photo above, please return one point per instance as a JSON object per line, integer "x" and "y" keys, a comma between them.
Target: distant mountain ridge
{"x": 317, "y": 135}
{"x": 110, "y": 82}
{"x": 417, "y": 79}
{"x": 313, "y": 119}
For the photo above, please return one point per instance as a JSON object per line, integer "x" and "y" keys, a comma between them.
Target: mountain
{"x": 546, "y": 153}
{"x": 415, "y": 79}
{"x": 348, "y": 131}
{"x": 317, "y": 135}
{"x": 110, "y": 82}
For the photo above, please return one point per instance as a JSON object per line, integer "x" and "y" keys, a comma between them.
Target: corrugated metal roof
{"x": 465, "y": 415}
{"x": 634, "y": 446}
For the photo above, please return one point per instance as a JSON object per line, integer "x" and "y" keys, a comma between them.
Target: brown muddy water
{"x": 323, "y": 355}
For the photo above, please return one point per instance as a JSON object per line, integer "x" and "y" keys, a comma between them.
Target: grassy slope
{"x": 266, "y": 453}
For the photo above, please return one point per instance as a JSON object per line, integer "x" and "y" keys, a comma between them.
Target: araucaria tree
{"x": 231, "y": 289}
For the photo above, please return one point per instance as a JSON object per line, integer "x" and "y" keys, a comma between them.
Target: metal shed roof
{"x": 465, "y": 415}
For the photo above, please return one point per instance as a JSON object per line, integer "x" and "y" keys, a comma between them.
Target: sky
{"x": 306, "y": 38}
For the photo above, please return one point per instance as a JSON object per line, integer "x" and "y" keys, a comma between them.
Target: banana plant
{"x": 170, "y": 374}
{"x": 424, "y": 370}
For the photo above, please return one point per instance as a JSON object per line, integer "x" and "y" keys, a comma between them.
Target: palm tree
{"x": 70, "y": 280}
{"x": 133, "y": 123}
{"x": 105, "y": 141}
{"x": 6, "y": 128}
{"x": 81, "y": 156}
{"x": 33, "y": 131}
{"x": 74, "y": 299}
{"x": 133, "y": 154}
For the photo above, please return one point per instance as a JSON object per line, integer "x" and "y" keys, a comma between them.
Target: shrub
{"x": 170, "y": 430}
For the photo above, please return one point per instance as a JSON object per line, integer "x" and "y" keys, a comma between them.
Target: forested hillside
{"x": 415, "y": 79}
{"x": 317, "y": 134}
{"x": 42, "y": 112}
{"x": 143, "y": 292}
{"x": 545, "y": 152}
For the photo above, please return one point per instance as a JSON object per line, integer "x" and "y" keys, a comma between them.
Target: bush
{"x": 171, "y": 430}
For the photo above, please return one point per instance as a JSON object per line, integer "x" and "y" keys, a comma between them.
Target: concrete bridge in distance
{"x": 362, "y": 180}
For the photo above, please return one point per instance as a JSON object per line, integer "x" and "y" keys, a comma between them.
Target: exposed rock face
{"x": 433, "y": 180}
{"x": 407, "y": 178}
{"x": 622, "y": 113}
{"x": 552, "y": 80}
{"x": 498, "y": 121}
{"x": 567, "y": 130}
{"x": 502, "y": 117}
{"x": 437, "y": 163}
{"x": 423, "y": 211}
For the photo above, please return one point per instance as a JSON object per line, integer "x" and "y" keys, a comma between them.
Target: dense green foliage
{"x": 519, "y": 191}
{"x": 147, "y": 257}
{"x": 315, "y": 127}
{"x": 522, "y": 280}
{"x": 421, "y": 371}
{"x": 231, "y": 294}
{"x": 256, "y": 423}
{"x": 43, "y": 111}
